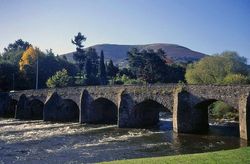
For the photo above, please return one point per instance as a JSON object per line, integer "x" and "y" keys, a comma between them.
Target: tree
{"x": 93, "y": 57}
{"x": 7, "y": 71}
{"x": 91, "y": 67}
{"x": 60, "y": 79}
{"x": 88, "y": 77}
{"x": 28, "y": 58}
{"x": 17, "y": 45}
{"x": 214, "y": 69}
{"x": 13, "y": 52}
{"x": 111, "y": 69}
{"x": 28, "y": 66}
{"x": 102, "y": 70}
{"x": 151, "y": 67}
{"x": 127, "y": 72}
{"x": 79, "y": 56}
{"x": 49, "y": 64}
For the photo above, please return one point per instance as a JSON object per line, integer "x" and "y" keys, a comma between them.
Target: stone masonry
{"x": 186, "y": 102}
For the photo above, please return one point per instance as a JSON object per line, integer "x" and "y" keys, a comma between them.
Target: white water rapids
{"x": 27, "y": 142}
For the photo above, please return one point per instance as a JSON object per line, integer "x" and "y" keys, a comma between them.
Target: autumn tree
{"x": 28, "y": 58}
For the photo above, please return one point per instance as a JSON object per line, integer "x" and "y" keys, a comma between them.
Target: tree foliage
{"x": 17, "y": 45}
{"x": 91, "y": 67}
{"x": 151, "y": 67}
{"x": 220, "y": 110}
{"x": 126, "y": 80}
{"x": 236, "y": 79}
{"x": 7, "y": 71}
{"x": 49, "y": 64}
{"x": 29, "y": 57}
{"x": 214, "y": 69}
{"x": 21, "y": 56}
{"x": 102, "y": 70}
{"x": 112, "y": 70}
{"x": 79, "y": 56}
{"x": 60, "y": 79}
{"x": 13, "y": 52}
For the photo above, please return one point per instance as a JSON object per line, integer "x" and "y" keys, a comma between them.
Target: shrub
{"x": 124, "y": 79}
{"x": 60, "y": 79}
{"x": 235, "y": 79}
{"x": 219, "y": 110}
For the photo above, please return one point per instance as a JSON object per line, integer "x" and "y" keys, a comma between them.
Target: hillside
{"x": 118, "y": 53}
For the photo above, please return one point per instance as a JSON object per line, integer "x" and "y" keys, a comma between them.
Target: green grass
{"x": 241, "y": 155}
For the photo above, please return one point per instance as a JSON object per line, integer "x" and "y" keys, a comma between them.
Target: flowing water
{"x": 43, "y": 142}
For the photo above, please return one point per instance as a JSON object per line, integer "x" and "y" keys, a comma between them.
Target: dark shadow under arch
{"x": 205, "y": 117}
{"x": 68, "y": 111}
{"x": 147, "y": 112}
{"x": 10, "y": 112}
{"x": 36, "y": 109}
{"x": 103, "y": 111}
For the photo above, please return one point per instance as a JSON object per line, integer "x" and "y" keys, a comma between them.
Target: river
{"x": 43, "y": 142}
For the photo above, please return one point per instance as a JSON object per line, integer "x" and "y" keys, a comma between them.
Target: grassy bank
{"x": 241, "y": 155}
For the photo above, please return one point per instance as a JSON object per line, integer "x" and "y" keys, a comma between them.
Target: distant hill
{"x": 118, "y": 53}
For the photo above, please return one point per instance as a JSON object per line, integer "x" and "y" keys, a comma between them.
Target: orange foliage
{"x": 28, "y": 58}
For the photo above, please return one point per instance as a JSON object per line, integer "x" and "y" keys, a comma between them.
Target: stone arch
{"x": 202, "y": 109}
{"x": 146, "y": 113}
{"x": 29, "y": 108}
{"x": 190, "y": 114}
{"x": 61, "y": 110}
{"x": 36, "y": 108}
{"x": 103, "y": 110}
{"x": 68, "y": 111}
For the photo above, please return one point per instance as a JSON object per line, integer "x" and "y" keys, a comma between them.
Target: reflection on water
{"x": 37, "y": 141}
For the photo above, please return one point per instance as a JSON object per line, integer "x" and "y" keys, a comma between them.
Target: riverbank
{"x": 241, "y": 155}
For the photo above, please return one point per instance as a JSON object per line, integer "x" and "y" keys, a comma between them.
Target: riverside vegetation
{"x": 18, "y": 65}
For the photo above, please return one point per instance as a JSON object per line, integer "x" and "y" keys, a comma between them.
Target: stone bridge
{"x": 129, "y": 106}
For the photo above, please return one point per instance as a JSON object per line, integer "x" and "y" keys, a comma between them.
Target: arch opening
{"x": 10, "y": 112}
{"x": 68, "y": 111}
{"x": 218, "y": 117}
{"x": 36, "y": 109}
{"x": 103, "y": 111}
{"x": 150, "y": 113}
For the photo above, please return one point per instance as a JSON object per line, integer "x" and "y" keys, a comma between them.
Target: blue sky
{"x": 208, "y": 26}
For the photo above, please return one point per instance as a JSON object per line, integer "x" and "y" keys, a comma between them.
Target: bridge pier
{"x": 186, "y": 117}
{"x": 85, "y": 109}
{"x": 125, "y": 107}
{"x": 244, "y": 116}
